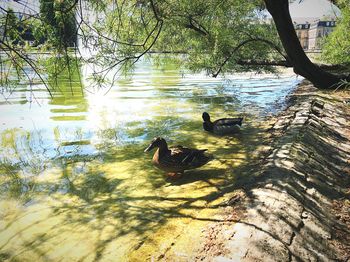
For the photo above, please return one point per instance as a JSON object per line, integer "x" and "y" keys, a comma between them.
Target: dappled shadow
{"x": 100, "y": 199}
{"x": 292, "y": 199}
{"x": 85, "y": 190}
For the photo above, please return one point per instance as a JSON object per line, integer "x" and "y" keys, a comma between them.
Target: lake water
{"x": 75, "y": 183}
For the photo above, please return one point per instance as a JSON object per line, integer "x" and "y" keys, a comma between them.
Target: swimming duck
{"x": 222, "y": 126}
{"x": 175, "y": 160}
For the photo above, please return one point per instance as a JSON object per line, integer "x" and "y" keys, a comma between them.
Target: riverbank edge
{"x": 296, "y": 206}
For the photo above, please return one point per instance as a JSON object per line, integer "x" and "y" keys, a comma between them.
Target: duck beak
{"x": 149, "y": 148}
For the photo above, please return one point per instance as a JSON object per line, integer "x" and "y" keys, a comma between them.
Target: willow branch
{"x": 274, "y": 46}
{"x": 158, "y": 25}
{"x": 197, "y": 27}
{"x": 70, "y": 8}
{"x": 28, "y": 61}
{"x": 264, "y": 63}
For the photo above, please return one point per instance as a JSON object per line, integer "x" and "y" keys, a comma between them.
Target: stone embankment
{"x": 298, "y": 206}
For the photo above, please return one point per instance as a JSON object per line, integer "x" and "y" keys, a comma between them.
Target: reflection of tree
{"x": 67, "y": 89}
{"x": 165, "y": 71}
{"x": 159, "y": 71}
{"x": 25, "y": 156}
{"x": 118, "y": 190}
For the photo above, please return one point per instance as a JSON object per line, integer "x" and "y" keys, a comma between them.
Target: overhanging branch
{"x": 4, "y": 46}
{"x": 156, "y": 30}
{"x": 273, "y": 45}
{"x": 193, "y": 24}
{"x": 264, "y": 63}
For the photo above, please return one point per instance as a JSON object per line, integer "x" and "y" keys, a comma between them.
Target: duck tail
{"x": 240, "y": 120}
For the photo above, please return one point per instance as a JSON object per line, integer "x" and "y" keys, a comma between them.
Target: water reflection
{"x": 84, "y": 190}
{"x": 99, "y": 202}
{"x": 68, "y": 101}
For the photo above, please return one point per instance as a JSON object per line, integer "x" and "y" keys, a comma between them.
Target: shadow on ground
{"x": 108, "y": 205}
{"x": 290, "y": 205}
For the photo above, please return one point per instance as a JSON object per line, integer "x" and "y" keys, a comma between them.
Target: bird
{"x": 175, "y": 160}
{"x": 222, "y": 126}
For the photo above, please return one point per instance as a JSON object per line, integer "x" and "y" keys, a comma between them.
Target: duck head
{"x": 207, "y": 124}
{"x": 206, "y": 117}
{"x": 156, "y": 142}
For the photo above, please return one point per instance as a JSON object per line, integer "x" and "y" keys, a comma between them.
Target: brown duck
{"x": 222, "y": 126}
{"x": 175, "y": 160}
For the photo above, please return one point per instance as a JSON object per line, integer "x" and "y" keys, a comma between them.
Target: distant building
{"x": 302, "y": 31}
{"x": 308, "y": 11}
{"x": 313, "y": 20}
{"x": 318, "y": 30}
{"x": 311, "y": 35}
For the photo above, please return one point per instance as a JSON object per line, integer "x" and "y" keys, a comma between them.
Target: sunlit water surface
{"x": 75, "y": 183}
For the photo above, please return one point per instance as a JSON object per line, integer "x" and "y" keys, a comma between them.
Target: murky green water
{"x": 75, "y": 183}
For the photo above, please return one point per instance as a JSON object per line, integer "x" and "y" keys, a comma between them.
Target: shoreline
{"x": 296, "y": 207}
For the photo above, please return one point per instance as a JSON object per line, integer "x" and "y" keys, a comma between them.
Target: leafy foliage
{"x": 53, "y": 29}
{"x": 12, "y": 29}
{"x": 215, "y": 35}
{"x": 16, "y": 31}
{"x": 336, "y": 49}
{"x": 58, "y": 22}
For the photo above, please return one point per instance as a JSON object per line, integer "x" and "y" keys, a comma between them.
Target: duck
{"x": 222, "y": 126}
{"x": 175, "y": 160}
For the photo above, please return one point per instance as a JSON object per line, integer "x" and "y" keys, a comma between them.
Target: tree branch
{"x": 264, "y": 63}
{"x": 155, "y": 11}
{"x": 158, "y": 25}
{"x": 70, "y": 8}
{"x": 244, "y": 43}
{"x": 198, "y": 27}
{"x": 28, "y": 61}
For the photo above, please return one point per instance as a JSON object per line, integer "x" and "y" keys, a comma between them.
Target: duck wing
{"x": 226, "y": 129}
{"x": 228, "y": 121}
{"x": 189, "y": 158}
{"x": 193, "y": 154}
{"x": 179, "y": 153}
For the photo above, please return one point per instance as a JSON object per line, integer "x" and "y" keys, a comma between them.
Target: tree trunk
{"x": 279, "y": 9}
